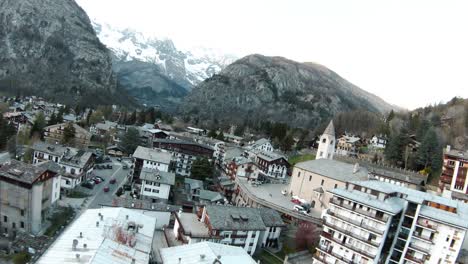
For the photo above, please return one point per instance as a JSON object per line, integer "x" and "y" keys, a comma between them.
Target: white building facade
{"x": 327, "y": 141}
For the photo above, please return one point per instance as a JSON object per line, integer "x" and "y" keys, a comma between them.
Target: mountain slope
{"x": 154, "y": 70}
{"x": 259, "y": 88}
{"x": 49, "y": 48}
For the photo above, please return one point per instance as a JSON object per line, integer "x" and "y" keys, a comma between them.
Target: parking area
{"x": 103, "y": 192}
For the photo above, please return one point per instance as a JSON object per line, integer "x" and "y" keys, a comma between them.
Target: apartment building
{"x": 27, "y": 193}
{"x": 153, "y": 159}
{"x": 54, "y": 134}
{"x": 380, "y": 222}
{"x": 248, "y": 228}
{"x": 77, "y": 164}
{"x": 156, "y": 185}
{"x": 184, "y": 153}
{"x": 454, "y": 172}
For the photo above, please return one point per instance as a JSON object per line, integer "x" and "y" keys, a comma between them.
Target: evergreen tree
{"x": 52, "y": 120}
{"x": 429, "y": 154}
{"x": 395, "y": 149}
{"x": 287, "y": 143}
{"x": 38, "y": 126}
{"x": 60, "y": 114}
{"x": 88, "y": 117}
{"x": 212, "y": 133}
{"x": 220, "y": 136}
{"x": 68, "y": 134}
{"x": 390, "y": 116}
{"x": 133, "y": 118}
{"x": 130, "y": 140}
{"x": 201, "y": 169}
{"x": 239, "y": 131}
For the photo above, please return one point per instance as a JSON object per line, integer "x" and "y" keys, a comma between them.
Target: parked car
{"x": 96, "y": 180}
{"x": 296, "y": 201}
{"x": 107, "y": 158}
{"x": 125, "y": 167}
{"x": 119, "y": 159}
{"x": 106, "y": 189}
{"x": 112, "y": 181}
{"x": 87, "y": 185}
{"x": 109, "y": 166}
{"x": 298, "y": 208}
{"x": 100, "y": 178}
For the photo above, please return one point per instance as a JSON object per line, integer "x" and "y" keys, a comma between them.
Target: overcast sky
{"x": 410, "y": 53}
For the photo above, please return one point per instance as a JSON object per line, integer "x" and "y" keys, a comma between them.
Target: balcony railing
{"x": 413, "y": 259}
{"x": 348, "y": 245}
{"x": 330, "y": 252}
{"x": 350, "y": 233}
{"x": 383, "y": 218}
{"x": 360, "y": 223}
{"x": 420, "y": 249}
{"x": 427, "y": 226}
{"x": 425, "y": 239}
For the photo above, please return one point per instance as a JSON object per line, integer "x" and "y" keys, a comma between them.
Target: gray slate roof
{"x": 22, "y": 172}
{"x": 152, "y": 155}
{"x": 330, "y": 130}
{"x": 155, "y": 175}
{"x": 210, "y": 196}
{"x": 52, "y": 149}
{"x": 334, "y": 169}
{"x": 230, "y": 218}
{"x": 193, "y": 183}
{"x": 270, "y": 217}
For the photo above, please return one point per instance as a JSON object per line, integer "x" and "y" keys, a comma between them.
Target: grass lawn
{"x": 300, "y": 158}
{"x": 59, "y": 219}
{"x": 267, "y": 258}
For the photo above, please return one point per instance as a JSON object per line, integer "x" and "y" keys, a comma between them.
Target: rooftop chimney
{"x": 356, "y": 168}
{"x": 97, "y": 223}
{"x": 77, "y": 256}
{"x": 75, "y": 243}
{"x": 448, "y": 148}
{"x": 81, "y": 234}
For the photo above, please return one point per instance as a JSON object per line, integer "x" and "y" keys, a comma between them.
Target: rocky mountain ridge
{"x": 258, "y": 87}
{"x": 49, "y": 48}
{"x": 154, "y": 70}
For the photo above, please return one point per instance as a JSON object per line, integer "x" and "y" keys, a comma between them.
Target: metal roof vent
{"x": 75, "y": 244}
{"x": 77, "y": 256}
{"x": 202, "y": 256}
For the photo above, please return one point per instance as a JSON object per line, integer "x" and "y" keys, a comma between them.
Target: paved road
{"x": 101, "y": 197}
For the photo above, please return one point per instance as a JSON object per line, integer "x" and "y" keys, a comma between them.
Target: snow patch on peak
{"x": 194, "y": 64}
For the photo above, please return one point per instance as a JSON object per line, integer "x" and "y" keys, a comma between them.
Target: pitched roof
{"x": 193, "y": 183}
{"x": 22, "y": 172}
{"x": 155, "y": 175}
{"x": 152, "y": 154}
{"x": 333, "y": 169}
{"x": 271, "y": 217}
{"x": 330, "y": 130}
{"x": 234, "y": 218}
{"x": 210, "y": 196}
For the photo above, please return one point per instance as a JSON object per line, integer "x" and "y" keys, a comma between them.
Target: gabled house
{"x": 147, "y": 158}
{"x": 155, "y": 184}
{"x": 54, "y": 134}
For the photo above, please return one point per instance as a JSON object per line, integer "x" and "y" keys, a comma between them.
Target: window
{"x": 22, "y": 212}
{"x": 323, "y": 181}
{"x": 298, "y": 174}
{"x": 313, "y": 204}
{"x": 452, "y": 243}
{"x": 22, "y": 224}
{"x": 336, "y": 186}
{"x": 321, "y": 154}
{"x": 13, "y": 225}
{"x": 324, "y": 140}
{"x": 147, "y": 189}
{"x": 447, "y": 239}
{"x": 310, "y": 177}
{"x": 5, "y": 218}
{"x": 72, "y": 171}
{"x": 156, "y": 191}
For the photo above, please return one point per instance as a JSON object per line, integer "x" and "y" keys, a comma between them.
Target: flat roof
{"x": 205, "y": 252}
{"x": 157, "y": 155}
{"x": 192, "y": 226}
{"x": 112, "y": 241}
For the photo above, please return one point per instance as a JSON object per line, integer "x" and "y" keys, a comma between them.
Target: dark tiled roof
{"x": 235, "y": 218}
{"x": 270, "y": 217}
{"x": 22, "y": 172}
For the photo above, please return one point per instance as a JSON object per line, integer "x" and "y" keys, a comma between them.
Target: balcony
{"x": 352, "y": 234}
{"x": 356, "y": 222}
{"x": 413, "y": 259}
{"x": 425, "y": 239}
{"x": 384, "y": 218}
{"x": 347, "y": 245}
{"x": 446, "y": 179}
{"x": 330, "y": 252}
{"x": 423, "y": 250}
{"x": 431, "y": 227}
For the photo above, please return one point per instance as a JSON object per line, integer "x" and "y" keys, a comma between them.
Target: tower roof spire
{"x": 330, "y": 130}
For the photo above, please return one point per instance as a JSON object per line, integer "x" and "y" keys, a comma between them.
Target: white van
{"x": 298, "y": 208}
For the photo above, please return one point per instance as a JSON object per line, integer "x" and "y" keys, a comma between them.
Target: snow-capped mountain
{"x": 154, "y": 70}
